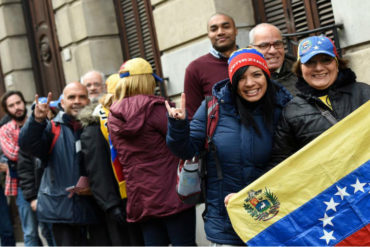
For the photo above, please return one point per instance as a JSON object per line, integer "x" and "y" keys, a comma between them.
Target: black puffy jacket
{"x": 301, "y": 120}
{"x": 29, "y": 169}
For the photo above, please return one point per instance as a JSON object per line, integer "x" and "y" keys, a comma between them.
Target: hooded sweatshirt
{"x": 138, "y": 127}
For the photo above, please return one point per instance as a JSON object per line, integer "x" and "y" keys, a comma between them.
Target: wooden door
{"x": 46, "y": 61}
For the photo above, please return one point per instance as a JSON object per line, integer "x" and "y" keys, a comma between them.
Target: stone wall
{"x": 355, "y": 36}
{"x": 14, "y": 50}
{"x": 88, "y": 36}
{"x": 182, "y": 32}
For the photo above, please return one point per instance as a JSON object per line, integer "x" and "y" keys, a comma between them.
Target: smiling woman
{"x": 250, "y": 105}
{"x": 327, "y": 86}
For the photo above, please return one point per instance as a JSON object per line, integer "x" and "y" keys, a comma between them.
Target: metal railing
{"x": 292, "y": 39}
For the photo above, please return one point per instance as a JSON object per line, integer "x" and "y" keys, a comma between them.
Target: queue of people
{"x": 103, "y": 170}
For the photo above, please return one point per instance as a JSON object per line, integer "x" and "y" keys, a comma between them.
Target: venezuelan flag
{"x": 318, "y": 196}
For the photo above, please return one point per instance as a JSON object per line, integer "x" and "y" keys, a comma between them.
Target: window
{"x": 137, "y": 33}
{"x": 293, "y": 16}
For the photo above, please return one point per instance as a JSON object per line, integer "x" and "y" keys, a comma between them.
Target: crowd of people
{"x": 98, "y": 166}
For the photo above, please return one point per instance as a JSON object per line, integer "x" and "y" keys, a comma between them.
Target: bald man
{"x": 268, "y": 39}
{"x": 58, "y": 142}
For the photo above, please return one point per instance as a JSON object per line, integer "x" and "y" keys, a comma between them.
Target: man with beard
{"x": 14, "y": 105}
{"x": 205, "y": 71}
{"x": 74, "y": 215}
{"x": 268, "y": 40}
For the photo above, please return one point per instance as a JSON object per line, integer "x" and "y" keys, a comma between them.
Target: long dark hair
{"x": 7, "y": 95}
{"x": 245, "y": 108}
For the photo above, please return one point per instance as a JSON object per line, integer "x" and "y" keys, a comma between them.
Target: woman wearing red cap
{"x": 250, "y": 105}
{"x": 137, "y": 125}
{"x": 325, "y": 84}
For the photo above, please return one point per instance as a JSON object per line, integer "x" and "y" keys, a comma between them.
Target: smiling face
{"x": 268, "y": 34}
{"x": 222, "y": 33}
{"x": 74, "y": 98}
{"x": 252, "y": 85}
{"x": 320, "y": 71}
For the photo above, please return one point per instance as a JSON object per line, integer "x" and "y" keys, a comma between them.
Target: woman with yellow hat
{"x": 137, "y": 125}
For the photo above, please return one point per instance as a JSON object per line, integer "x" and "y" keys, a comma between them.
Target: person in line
{"x": 137, "y": 125}
{"x": 75, "y": 218}
{"x": 14, "y": 105}
{"x": 202, "y": 73}
{"x": 250, "y": 105}
{"x": 6, "y": 228}
{"x": 30, "y": 170}
{"x": 94, "y": 82}
{"x": 325, "y": 83}
{"x": 96, "y": 156}
{"x": 268, "y": 40}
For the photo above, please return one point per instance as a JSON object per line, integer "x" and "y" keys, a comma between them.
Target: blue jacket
{"x": 243, "y": 154}
{"x": 62, "y": 170}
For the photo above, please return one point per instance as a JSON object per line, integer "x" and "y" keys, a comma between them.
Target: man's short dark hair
{"x": 7, "y": 94}
{"x": 223, "y": 14}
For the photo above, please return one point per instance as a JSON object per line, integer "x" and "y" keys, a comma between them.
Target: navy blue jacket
{"x": 62, "y": 170}
{"x": 243, "y": 154}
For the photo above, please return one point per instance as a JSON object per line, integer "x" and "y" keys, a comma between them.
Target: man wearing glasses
{"x": 267, "y": 38}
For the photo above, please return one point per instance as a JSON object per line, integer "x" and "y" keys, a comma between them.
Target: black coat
{"x": 286, "y": 77}
{"x": 96, "y": 161}
{"x": 301, "y": 120}
{"x": 29, "y": 169}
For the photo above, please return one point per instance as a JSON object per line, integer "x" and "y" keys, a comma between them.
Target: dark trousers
{"x": 177, "y": 229}
{"x": 6, "y": 227}
{"x": 128, "y": 234}
{"x": 80, "y": 235}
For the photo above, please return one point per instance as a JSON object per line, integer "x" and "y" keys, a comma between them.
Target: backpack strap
{"x": 213, "y": 109}
{"x": 55, "y": 129}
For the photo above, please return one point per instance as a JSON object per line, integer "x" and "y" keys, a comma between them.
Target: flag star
{"x": 331, "y": 205}
{"x": 327, "y": 220}
{"x": 328, "y": 236}
{"x": 319, "y": 42}
{"x": 358, "y": 186}
{"x": 316, "y": 47}
{"x": 341, "y": 192}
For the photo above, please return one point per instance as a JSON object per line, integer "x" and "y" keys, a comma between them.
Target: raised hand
{"x": 177, "y": 113}
{"x": 42, "y": 109}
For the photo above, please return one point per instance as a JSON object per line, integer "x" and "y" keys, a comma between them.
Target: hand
{"x": 41, "y": 109}
{"x": 33, "y": 204}
{"x": 118, "y": 214}
{"x": 227, "y": 198}
{"x": 83, "y": 191}
{"x": 3, "y": 167}
{"x": 177, "y": 113}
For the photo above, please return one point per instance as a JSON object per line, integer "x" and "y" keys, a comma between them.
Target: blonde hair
{"x": 134, "y": 85}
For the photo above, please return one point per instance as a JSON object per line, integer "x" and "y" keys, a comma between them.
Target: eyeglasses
{"x": 325, "y": 60}
{"x": 278, "y": 44}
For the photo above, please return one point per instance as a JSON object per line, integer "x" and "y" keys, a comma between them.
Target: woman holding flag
{"x": 328, "y": 93}
{"x": 250, "y": 105}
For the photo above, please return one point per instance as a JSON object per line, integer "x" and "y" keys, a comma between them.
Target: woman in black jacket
{"x": 326, "y": 85}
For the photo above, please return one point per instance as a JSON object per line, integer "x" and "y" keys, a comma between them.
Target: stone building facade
{"x": 45, "y": 44}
